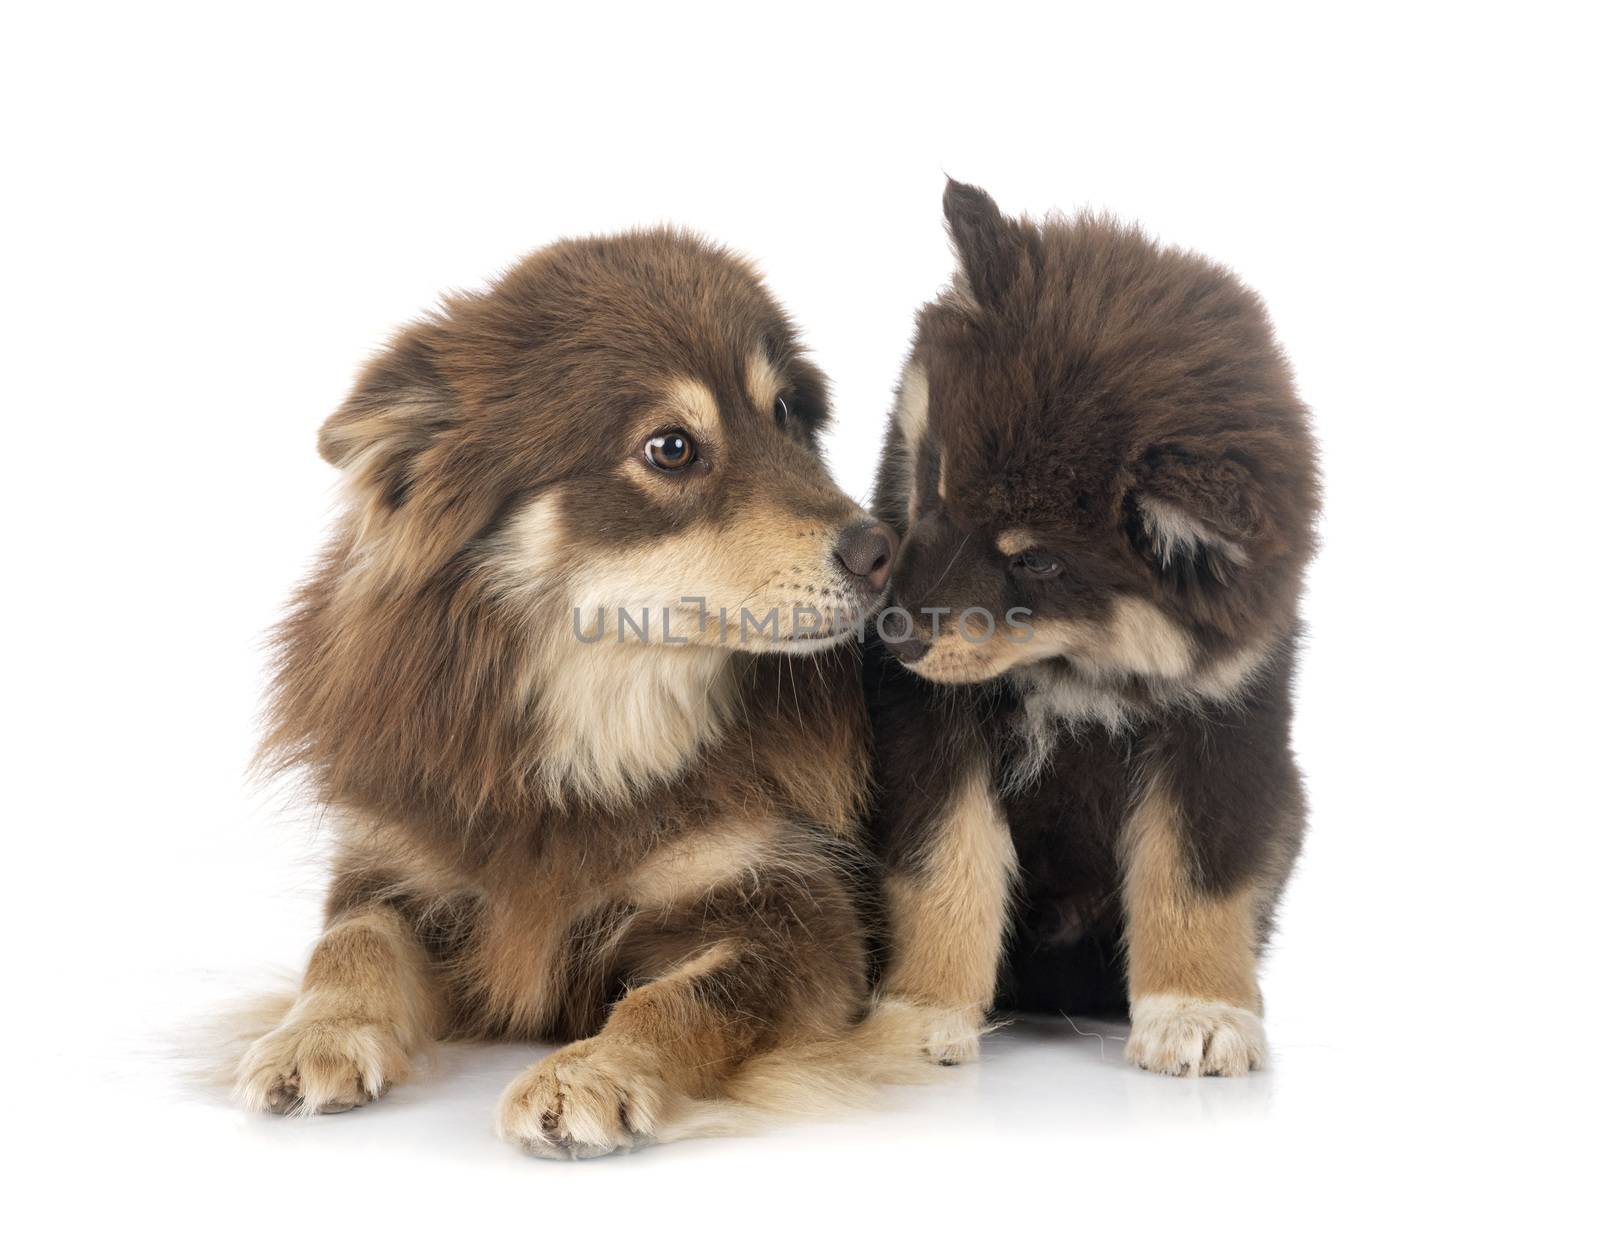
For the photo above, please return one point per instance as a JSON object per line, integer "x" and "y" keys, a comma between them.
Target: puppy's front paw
{"x": 320, "y": 1066}
{"x": 582, "y": 1101}
{"x": 1183, "y": 1036}
{"x": 948, "y": 1036}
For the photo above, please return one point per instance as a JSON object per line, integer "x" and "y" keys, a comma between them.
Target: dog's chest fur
{"x": 1052, "y": 707}
{"x": 1067, "y": 780}
{"x": 1066, "y": 766}
{"x": 534, "y": 913}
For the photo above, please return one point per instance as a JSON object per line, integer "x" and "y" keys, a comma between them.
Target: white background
{"x": 211, "y": 216}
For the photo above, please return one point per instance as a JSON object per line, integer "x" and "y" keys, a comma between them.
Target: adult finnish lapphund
{"x": 1106, "y": 489}
{"x": 574, "y": 680}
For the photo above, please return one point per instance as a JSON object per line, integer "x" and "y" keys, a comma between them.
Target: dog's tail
{"x": 211, "y": 1050}
{"x": 815, "y": 1080}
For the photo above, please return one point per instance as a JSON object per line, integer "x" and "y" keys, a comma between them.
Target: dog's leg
{"x": 672, "y": 1038}
{"x": 367, "y": 1003}
{"x": 775, "y": 958}
{"x": 948, "y": 900}
{"x": 1191, "y": 955}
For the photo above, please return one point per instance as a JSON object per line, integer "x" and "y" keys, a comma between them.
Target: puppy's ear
{"x": 1196, "y": 519}
{"x": 991, "y": 248}
{"x": 398, "y": 409}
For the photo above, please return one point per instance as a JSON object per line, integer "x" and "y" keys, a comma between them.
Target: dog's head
{"x": 574, "y": 499}
{"x": 622, "y": 428}
{"x": 1098, "y": 456}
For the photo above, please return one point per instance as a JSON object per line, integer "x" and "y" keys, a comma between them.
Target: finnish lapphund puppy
{"x": 1106, "y": 489}
{"x": 577, "y": 794}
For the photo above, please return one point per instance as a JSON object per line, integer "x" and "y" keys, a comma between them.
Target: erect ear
{"x": 1196, "y": 518}
{"x": 808, "y": 398}
{"x": 990, "y": 247}
{"x": 398, "y": 409}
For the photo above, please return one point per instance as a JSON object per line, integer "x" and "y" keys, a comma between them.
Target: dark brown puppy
{"x": 1097, "y": 445}
{"x": 570, "y": 676}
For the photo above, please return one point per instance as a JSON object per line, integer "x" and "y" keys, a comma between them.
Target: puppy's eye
{"x": 780, "y": 412}
{"x": 671, "y": 451}
{"x": 1037, "y": 564}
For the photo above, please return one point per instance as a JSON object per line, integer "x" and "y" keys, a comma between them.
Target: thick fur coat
{"x": 1106, "y": 487}
{"x": 574, "y": 798}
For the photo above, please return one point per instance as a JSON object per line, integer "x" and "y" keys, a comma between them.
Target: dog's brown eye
{"x": 780, "y": 412}
{"x": 671, "y": 451}
{"x": 1037, "y": 564}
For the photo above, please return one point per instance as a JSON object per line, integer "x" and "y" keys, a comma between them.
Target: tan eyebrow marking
{"x": 1015, "y": 542}
{"x": 692, "y": 402}
{"x": 761, "y": 381}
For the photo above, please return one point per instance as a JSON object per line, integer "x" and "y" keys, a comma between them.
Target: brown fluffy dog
{"x": 1099, "y": 448}
{"x": 576, "y": 796}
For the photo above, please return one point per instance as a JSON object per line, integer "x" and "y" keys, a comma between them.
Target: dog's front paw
{"x": 582, "y": 1101}
{"x": 1183, "y": 1036}
{"x": 320, "y": 1066}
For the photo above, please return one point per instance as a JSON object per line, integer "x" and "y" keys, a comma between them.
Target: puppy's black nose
{"x": 867, "y": 551}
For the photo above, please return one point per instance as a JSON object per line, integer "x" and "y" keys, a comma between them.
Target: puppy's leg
{"x": 367, "y": 1003}
{"x": 948, "y": 899}
{"x": 1191, "y": 955}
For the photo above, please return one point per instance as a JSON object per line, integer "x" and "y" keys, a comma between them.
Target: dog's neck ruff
{"x": 1060, "y": 699}
{"x": 617, "y": 719}
{"x": 1057, "y": 702}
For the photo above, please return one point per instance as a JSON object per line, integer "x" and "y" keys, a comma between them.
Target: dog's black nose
{"x": 867, "y": 551}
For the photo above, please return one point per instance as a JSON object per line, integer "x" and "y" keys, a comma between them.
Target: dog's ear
{"x": 392, "y": 439}
{"x": 1196, "y": 518}
{"x": 991, "y": 248}
{"x": 398, "y": 410}
{"x": 808, "y": 399}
